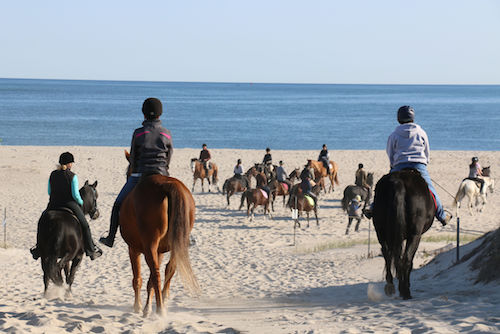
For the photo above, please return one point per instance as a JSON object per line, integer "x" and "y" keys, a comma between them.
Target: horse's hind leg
{"x": 316, "y": 215}
{"x": 406, "y": 266}
{"x": 169, "y": 272}
{"x": 389, "y": 285}
{"x": 135, "y": 262}
{"x": 45, "y": 268}
{"x": 71, "y": 277}
{"x": 154, "y": 282}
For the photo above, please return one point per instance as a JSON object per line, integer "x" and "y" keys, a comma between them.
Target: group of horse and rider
{"x": 63, "y": 224}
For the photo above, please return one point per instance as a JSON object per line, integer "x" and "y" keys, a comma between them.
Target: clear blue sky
{"x": 323, "y": 41}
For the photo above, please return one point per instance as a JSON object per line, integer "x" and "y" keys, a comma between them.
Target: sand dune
{"x": 252, "y": 276}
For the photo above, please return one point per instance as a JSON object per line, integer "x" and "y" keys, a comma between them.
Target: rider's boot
{"x": 113, "y": 228}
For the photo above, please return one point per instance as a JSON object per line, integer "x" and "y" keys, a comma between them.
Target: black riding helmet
{"x": 66, "y": 158}
{"x": 152, "y": 108}
{"x": 406, "y": 114}
{"x": 475, "y": 159}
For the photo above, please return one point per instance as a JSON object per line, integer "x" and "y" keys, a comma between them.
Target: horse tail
{"x": 243, "y": 197}
{"x": 345, "y": 200}
{"x": 180, "y": 208}
{"x": 335, "y": 177}
{"x": 224, "y": 187}
{"x": 214, "y": 174}
{"x": 459, "y": 195}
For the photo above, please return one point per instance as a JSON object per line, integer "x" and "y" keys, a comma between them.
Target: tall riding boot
{"x": 113, "y": 228}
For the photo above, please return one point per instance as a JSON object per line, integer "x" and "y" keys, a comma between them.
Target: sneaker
{"x": 446, "y": 219}
{"x": 97, "y": 252}
{"x": 35, "y": 252}
{"x": 107, "y": 241}
{"x": 368, "y": 213}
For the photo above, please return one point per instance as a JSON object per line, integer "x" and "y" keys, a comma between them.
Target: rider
{"x": 408, "y": 147}
{"x": 475, "y": 173}
{"x": 238, "y": 173}
{"x": 281, "y": 175}
{"x": 306, "y": 185}
{"x": 268, "y": 159}
{"x": 324, "y": 157}
{"x": 150, "y": 153}
{"x": 205, "y": 157}
{"x": 64, "y": 192}
{"x": 360, "y": 180}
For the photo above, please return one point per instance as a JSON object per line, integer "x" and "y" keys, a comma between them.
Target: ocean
{"x": 246, "y": 115}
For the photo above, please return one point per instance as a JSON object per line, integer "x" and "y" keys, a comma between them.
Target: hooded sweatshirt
{"x": 408, "y": 143}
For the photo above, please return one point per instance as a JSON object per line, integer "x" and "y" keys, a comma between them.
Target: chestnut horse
{"x": 157, "y": 217}
{"x": 256, "y": 197}
{"x": 320, "y": 173}
{"x": 200, "y": 173}
{"x": 279, "y": 189}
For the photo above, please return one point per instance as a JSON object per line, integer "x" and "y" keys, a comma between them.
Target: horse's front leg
{"x": 194, "y": 182}
{"x": 209, "y": 184}
{"x": 135, "y": 261}
{"x": 307, "y": 214}
{"x": 316, "y": 215}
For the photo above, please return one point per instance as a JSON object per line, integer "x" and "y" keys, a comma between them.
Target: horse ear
{"x": 86, "y": 183}
{"x": 127, "y": 155}
{"x": 95, "y": 184}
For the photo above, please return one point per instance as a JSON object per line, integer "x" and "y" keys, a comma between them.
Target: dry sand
{"x": 252, "y": 278}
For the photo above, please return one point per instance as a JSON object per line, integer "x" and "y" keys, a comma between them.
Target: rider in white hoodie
{"x": 408, "y": 147}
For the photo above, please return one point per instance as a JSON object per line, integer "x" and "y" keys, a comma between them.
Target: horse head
{"x": 89, "y": 196}
{"x": 486, "y": 171}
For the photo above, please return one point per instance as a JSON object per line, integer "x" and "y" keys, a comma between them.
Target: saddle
{"x": 284, "y": 185}
{"x": 63, "y": 209}
{"x": 309, "y": 200}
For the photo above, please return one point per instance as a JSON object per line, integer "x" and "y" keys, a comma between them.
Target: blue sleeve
{"x": 74, "y": 190}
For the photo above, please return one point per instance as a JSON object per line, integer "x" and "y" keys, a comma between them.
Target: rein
{"x": 445, "y": 190}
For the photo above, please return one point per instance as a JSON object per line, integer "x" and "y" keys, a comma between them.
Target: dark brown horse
{"x": 320, "y": 173}
{"x": 279, "y": 189}
{"x": 199, "y": 172}
{"x": 157, "y": 217}
{"x": 305, "y": 204}
{"x": 403, "y": 210}
{"x": 234, "y": 185}
{"x": 351, "y": 191}
{"x": 256, "y": 197}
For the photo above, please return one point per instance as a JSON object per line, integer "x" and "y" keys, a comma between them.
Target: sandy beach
{"x": 253, "y": 279}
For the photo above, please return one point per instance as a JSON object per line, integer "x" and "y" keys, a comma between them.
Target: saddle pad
{"x": 264, "y": 193}
{"x": 284, "y": 185}
{"x": 310, "y": 200}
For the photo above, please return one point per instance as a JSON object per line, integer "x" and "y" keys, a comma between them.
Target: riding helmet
{"x": 239, "y": 161}
{"x": 152, "y": 108}
{"x": 406, "y": 114}
{"x": 475, "y": 159}
{"x": 360, "y": 166}
{"x": 66, "y": 158}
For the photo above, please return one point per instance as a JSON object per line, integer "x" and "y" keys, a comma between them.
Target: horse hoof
{"x": 389, "y": 289}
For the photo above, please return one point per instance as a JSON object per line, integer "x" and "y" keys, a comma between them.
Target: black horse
{"x": 351, "y": 191}
{"x": 60, "y": 237}
{"x": 403, "y": 210}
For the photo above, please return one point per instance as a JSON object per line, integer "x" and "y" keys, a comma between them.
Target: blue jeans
{"x": 127, "y": 188}
{"x": 422, "y": 168}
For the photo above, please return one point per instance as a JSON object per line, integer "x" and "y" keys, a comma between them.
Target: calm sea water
{"x": 240, "y": 115}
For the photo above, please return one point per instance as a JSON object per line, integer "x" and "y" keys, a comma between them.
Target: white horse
{"x": 470, "y": 189}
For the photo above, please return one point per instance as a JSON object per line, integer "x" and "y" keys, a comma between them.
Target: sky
{"x": 286, "y": 41}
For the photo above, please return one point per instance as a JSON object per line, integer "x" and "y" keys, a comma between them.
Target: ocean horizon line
{"x": 254, "y": 82}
